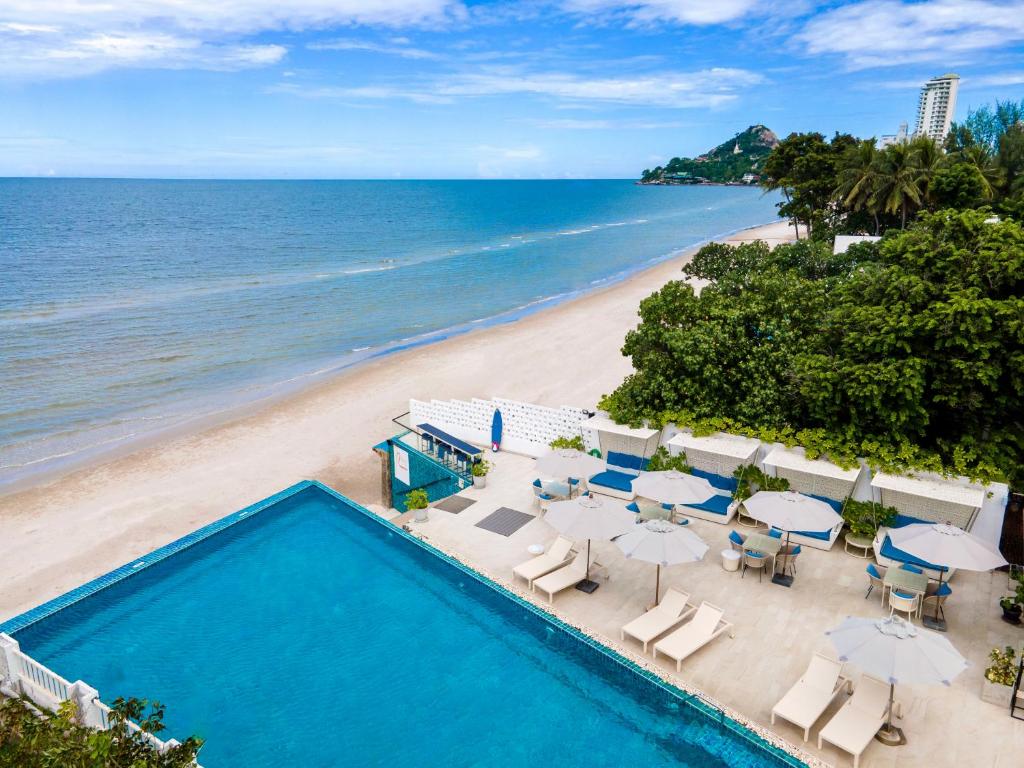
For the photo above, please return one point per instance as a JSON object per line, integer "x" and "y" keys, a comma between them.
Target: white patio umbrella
{"x": 673, "y": 487}
{"x": 897, "y": 652}
{"x": 947, "y": 545}
{"x": 790, "y": 511}
{"x": 570, "y": 463}
{"x": 588, "y": 517}
{"x": 662, "y": 543}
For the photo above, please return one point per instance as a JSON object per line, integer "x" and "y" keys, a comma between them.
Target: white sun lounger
{"x": 705, "y": 626}
{"x": 854, "y": 726}
{"x": 567, "y": 576}
{"x": 556, "y": 556}
{"x": 673, "y": 610}
{"x": 812, "y": 694}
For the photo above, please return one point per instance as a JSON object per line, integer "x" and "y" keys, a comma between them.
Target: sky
{"x": 458, "y": 89}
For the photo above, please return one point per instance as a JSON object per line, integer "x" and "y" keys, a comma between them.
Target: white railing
{"x": 23, "y": 675}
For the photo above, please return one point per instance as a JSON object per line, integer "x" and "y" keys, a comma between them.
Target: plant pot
{"x": 994, "y": 693}
{"x": 479, "y": 481}
{"x": 1011, "y": 615}
{"x": 420, "y": 515}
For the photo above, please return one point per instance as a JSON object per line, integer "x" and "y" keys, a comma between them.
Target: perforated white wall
{"x": 712, "y": 462}
{"x": 929, "y": 509}
{"x": 805, "y": 482}
{"x": 527, "y": 428}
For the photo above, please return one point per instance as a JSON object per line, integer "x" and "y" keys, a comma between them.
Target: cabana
{"x": 820, "y": 479}
{"x": 715, "y": 458}
{"x": 626, "y": 450}
{"x": 921, "y": 500}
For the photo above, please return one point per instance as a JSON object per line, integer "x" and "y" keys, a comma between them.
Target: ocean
{"x": 128, "y": 307}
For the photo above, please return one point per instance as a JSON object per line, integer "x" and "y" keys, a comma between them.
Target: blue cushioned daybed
{"x": 617, "y": 480}
{"x": 820, "y": 539}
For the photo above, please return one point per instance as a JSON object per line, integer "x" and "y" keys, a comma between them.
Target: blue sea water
{"x": 129, "y": 306}
{"x": 309, "y": 635}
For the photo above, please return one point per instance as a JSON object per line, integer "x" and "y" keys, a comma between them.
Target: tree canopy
{"x": 909, "y": 352}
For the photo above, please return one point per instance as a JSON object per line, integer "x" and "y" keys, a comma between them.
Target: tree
{"x": 958, "y": 185}
{"x": 986, "y": 124}
{"x": 898, "y": 186}
{"x": 909, "y": 351}
{"x": 1010, "y": 159}
{"x": 55, "y": 740}
{"x": 858, "y": 179}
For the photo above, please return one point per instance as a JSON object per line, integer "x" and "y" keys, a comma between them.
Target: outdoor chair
{"x": 557, "y": 555}
{"x": 567, "y": 576}
{"x": 904, "y": 602}
{"x": 813, "y": 693}
{"x": 706, "y": 624}
{"x": 754, "y": 560}
{"x": 786, "y": 559}
{"x": 736, "y": 540}
{"x": 935, "y": 597}
{"x": 876, "y": 574}
{"x": 673, "y": 609}
{"x": 855, "y": 724}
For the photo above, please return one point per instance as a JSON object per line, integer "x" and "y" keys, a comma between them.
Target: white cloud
{"x": 881, "y": 33}
{"x": 704, "y": 88}
{"x": 697, "y": 12}
{"x": 574, "y": 124}
{"x": 506, "y": 162}
{"x": 401, "y": 49}
{"x": 67, "y": 38}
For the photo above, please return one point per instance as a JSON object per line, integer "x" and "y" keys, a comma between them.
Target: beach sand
{"x": 74, "y": 527}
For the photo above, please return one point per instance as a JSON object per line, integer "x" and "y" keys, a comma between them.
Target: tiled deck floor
{"x": 777, "y": 629}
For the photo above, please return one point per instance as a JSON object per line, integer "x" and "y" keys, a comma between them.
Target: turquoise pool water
{"x": 308, "y": 634}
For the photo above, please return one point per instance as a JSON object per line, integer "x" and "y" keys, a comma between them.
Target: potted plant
{"x": 417, "y": 501}
{"x": 864, "y": 518}
{"x": 1012, "y": 605}
{"x": 1000, "y": 676}
{"x": 480, "y": 470}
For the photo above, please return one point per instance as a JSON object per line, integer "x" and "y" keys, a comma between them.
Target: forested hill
{"x": 730, "y": 161}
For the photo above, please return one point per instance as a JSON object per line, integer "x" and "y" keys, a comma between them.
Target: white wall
{"x": 527, "y": 428}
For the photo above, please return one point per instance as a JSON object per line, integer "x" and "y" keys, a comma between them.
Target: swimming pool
{"x": 305, "y": 632}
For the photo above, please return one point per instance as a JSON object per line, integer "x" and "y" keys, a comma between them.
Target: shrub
{"x": 1003, "y": 670}
{"x": 416, "y": 499}
{"x": 864, "y": 518}
{"x": 751, "y": 479}
{"x": 32, "y": 739}
{"x": 568, "y": 442}
{"x": 662, "y": 460}
{"x": 481, "y": 468}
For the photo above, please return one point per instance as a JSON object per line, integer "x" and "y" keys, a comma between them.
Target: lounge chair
{"x": 567, "y": 576}
{"x": 705, "y": 626}
{"x": 812, "y": 694}
{"x": 855, "y": 724}
{"x": 673, "y": 609}
{"x": 556, "y": 556}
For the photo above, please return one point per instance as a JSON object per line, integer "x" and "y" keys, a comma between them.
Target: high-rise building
{"x": 900, "y": 137}
{"x": 936, "y": 105}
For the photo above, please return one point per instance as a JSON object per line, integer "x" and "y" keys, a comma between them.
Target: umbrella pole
{"x": 587, "y": 585}
{"x": 891, "y": 736}
{"x": 657, "y": 582}
{"x": 781, "y": 578}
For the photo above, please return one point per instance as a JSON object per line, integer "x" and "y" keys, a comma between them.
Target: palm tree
{"x": 982, "y": 158}
{"x": 929, "y": 157}
{"x": 858, "y": 179}
{"x": 898, "y": 185}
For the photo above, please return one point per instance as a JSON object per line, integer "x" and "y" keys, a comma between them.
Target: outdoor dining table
{"x": 908, "y": 581}
{"x": 764, "y": 544}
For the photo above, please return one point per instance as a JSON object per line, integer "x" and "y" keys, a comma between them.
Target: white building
{"x": 900, "y": 137}
{"x": 936, "y": 106}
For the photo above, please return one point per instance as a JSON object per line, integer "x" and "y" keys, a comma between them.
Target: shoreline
{"x": 65, "y": 530}
{"x": 53, "y": 468}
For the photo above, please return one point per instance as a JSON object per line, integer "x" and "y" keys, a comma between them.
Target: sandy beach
{"x": 69, "y": 529}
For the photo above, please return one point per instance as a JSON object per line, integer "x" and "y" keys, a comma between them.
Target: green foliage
{"x": 568, "y": 442}
{"x": 958, "y": 185}
{"x": 721, "y": 164}
{"x": 1003, "y": 670}
{"x": 48, "y": 740}
{"x": 864, "y": 518}
{"x": 663, "y": 460}
{"x": 480, "y": 468}
{"x": 909, "y": 352}
{"x": 1017, "y": 598}
{"x": 986, "y": 124}
{"x": 417, "y": 499}
{"x": 751, "y": 480}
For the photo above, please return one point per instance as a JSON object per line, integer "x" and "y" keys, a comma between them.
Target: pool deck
{"x": 776, "y": 629}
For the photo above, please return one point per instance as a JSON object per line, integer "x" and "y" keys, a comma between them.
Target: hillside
{"x": 729, "y": 162}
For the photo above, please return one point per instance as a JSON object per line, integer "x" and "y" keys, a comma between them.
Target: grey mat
{"x": 504, "y": 521}
{"x": 455, "y": 504}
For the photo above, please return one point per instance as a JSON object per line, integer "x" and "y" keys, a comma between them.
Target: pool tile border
{"x": 750, "y": 732}
{"x": 139, "y": 564}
